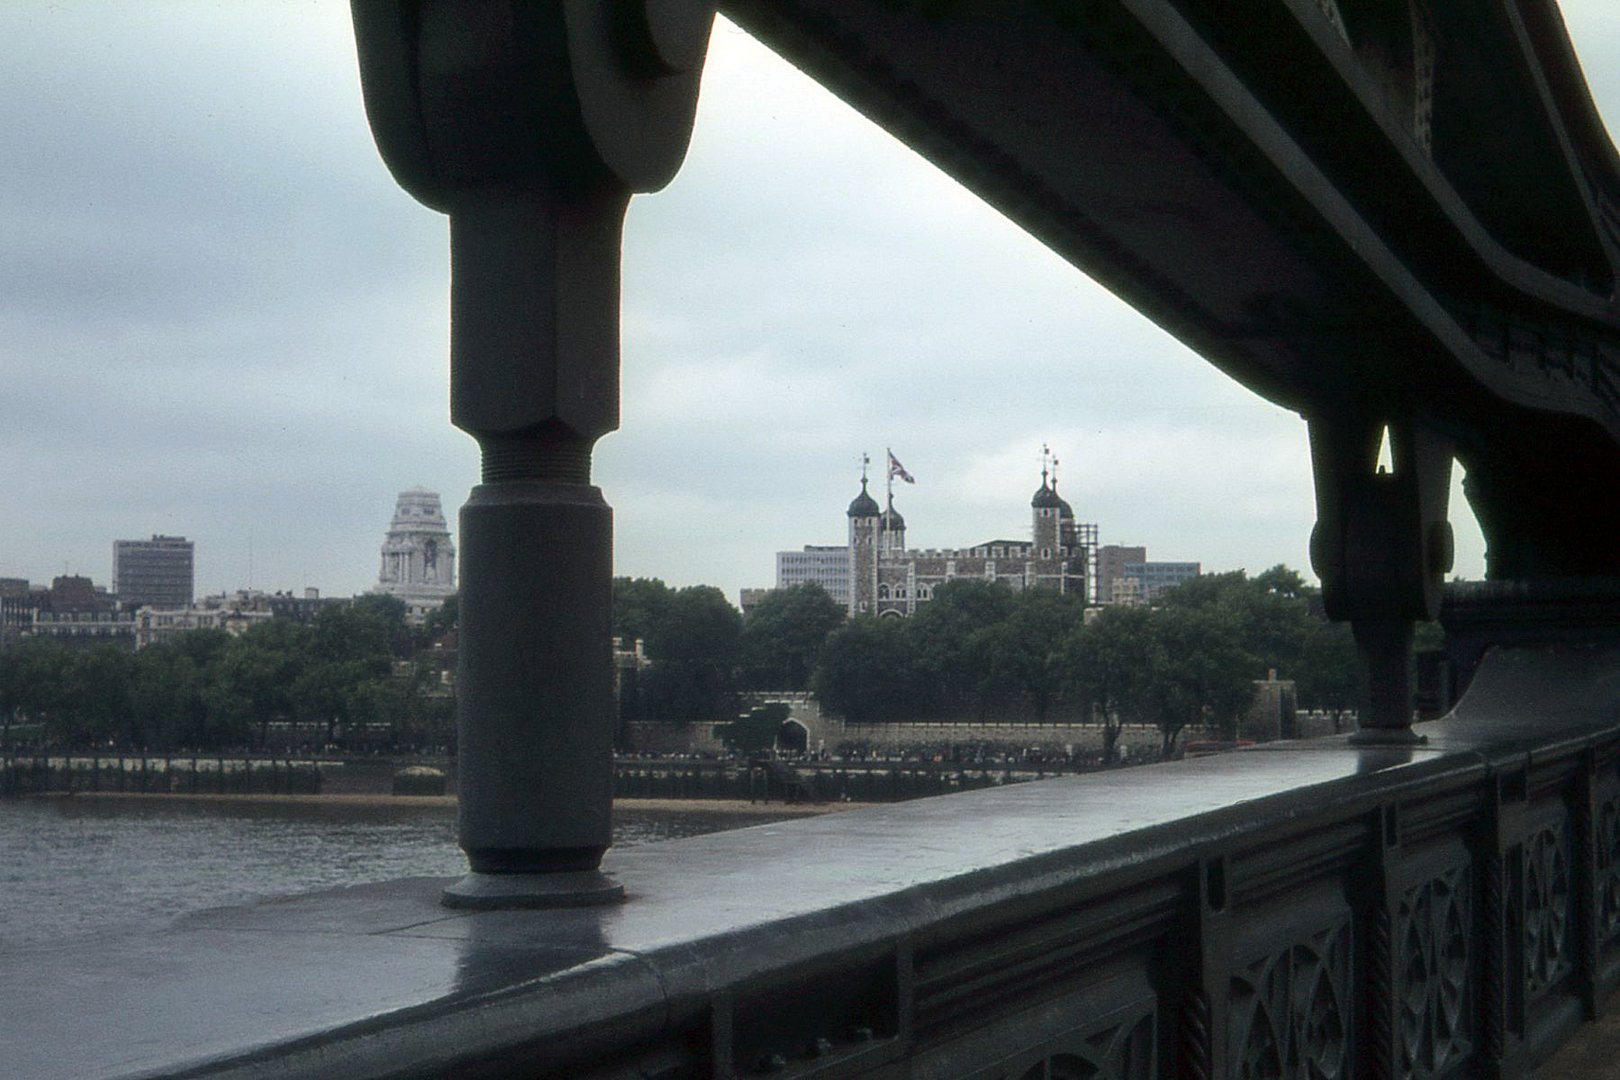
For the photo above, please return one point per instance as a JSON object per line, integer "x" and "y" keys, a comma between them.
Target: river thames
{"x": 74, "y": 866}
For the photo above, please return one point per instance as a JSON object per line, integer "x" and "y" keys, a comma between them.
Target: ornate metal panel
{"x": 1434, "y": 960}
{"x": 1106, "y": 1031}
{"x": 1290, "y": 1012}
{"x": 1607, "y": 870}
{"x": 1116, "y": 1051}
{"x": 1549, "y": 907}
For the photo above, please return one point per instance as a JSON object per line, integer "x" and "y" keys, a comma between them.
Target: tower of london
{"x": 888, "y": 579}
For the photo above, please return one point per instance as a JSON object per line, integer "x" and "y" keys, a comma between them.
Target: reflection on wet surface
{"x": 72, "y": 866}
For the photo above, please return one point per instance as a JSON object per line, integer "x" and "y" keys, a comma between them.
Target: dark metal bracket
{"x": 1381, "y": 546}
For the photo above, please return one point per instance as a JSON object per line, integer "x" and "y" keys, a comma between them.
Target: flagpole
{"x": 889, "y": 471}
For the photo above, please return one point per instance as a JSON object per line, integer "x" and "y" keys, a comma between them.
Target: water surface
{"x": 71, "y": 867}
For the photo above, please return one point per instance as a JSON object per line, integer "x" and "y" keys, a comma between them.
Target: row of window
{"x": 900, "y": 592}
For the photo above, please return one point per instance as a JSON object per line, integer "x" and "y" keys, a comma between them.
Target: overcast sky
{"x": 220, "y": 318}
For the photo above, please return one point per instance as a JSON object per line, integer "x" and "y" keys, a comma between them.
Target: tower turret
{"x": 1068, "y": 531}
{"x": 1046, "y": 509}
{"x": 865, "y": 531}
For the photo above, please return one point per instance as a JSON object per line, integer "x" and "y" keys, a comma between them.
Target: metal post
{"x": 530, "y": 125}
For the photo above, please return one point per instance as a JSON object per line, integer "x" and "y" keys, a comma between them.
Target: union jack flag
{"x": 897, "y": 469}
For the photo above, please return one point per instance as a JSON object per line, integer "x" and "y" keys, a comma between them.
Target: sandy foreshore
{"x": 686, "y": 806}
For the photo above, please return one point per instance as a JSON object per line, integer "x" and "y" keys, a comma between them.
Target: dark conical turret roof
{"x": 864, "y": 505}
{"x": 1046, "y": 497}
{"x": 892, "y": 521}
{"x": 1064, "y": 509}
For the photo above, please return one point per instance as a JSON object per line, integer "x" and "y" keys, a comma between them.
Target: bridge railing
{"x": 1445, "y": 908}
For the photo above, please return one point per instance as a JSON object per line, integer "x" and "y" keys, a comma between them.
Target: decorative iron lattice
{"x": 1548, "y": 908}
{"x": 1608, "y": 868}
{"x": 1121, "y": 1051}
{"x": 1434, "y": 966}
{"x": 1290, "y": 1011}
{"x": 1422, "y": 76}
{"x": 1195, "y": 1036}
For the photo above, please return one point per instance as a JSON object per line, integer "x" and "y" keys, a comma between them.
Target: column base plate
{"x": 1387, "y": 737}
{"x": 578, "y": 888}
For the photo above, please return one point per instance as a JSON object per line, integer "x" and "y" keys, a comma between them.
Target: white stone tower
{"x": 418, "y": 557}
{"x": 865, "y": 528}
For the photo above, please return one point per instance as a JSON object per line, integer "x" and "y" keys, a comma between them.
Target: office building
{"x": 158, "y": 572}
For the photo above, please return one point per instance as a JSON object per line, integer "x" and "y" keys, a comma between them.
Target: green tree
{"x": 869, "y": 672}
{"x": 783, "y": 635}
{"x": 379, "y": 609}
{"x": 325, "y": 691}
{"x": 693, "y": 652}
{"x": 1282, "y": 581}
{"x": 358, "y": 631}
{"x": 202, "y": 647}
{"x": 639, "y": 608}
{"x": 95, "y": 701}
{"x": 1269, "y": 616}
{"x": 1111, "y": 662}
{"x": 949, "y": 636}
{"x": 33, "y": 680}
{"x": 402, "y": 700}
{"x": 1201, "y": 674}
{"x": 1329, "y": 677}
{"x": 1025, "y": 652}
{"x": 441, "y": 620}
{"x": 168, "y": 697}
{"x": 251, "y": 684}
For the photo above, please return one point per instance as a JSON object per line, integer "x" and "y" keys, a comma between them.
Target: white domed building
{"x": 418, "y": 556}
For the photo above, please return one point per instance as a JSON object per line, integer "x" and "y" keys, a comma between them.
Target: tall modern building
{"x": 826, "y": 565}
{"x": 159, "y": 572}
{"x": 418, "y": 557}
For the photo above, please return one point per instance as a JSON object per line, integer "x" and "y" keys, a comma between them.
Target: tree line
{"x": 703, "y": 653}
{"x": 976, "y": 651}
{"x": 981, "y": 651}
{"x": 355, "y": 667}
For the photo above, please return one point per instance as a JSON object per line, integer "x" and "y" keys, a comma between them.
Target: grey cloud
{"x": 219, "y": 316}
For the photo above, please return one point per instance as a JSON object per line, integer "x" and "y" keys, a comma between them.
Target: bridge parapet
{"x": 1369, "y": 910}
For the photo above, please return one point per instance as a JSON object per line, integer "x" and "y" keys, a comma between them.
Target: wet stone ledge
{"x": 1357, "y": 910}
